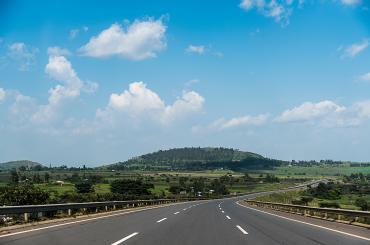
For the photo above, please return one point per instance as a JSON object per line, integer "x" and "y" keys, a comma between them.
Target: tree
{"x": 363, "y": 204}
{"x": 218, "y": 187}
{"x": 23, "y": 194}
{"x": 14, "y": 177}
{"x": 84, "y": 187}
{"x": 46, "y": 177}
{"x": 130, "y": 187}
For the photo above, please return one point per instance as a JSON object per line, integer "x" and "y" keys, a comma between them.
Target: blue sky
{"x": 98, "y": 83}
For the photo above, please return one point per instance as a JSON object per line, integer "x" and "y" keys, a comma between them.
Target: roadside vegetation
{"x": 348, "y": 192}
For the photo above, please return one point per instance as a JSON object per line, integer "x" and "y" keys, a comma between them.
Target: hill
{"x": 18, "y": 164}
{"x": 197, "y": 159}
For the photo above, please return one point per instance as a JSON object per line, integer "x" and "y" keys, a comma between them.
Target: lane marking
{"x": 159, "y": 221}
{"x": 121, "y": 212}
{"x": 184, "y": 209}
{"x": 223, "y": 211}
{"x": 125, "y": 238}
{"x": 242, "y": 230}
{"x": 306, "y": 223}
{"x": 176, "y": 213}
{"x": 228, "y": 217}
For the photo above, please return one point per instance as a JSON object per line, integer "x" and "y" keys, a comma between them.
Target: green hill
{"x": 197, "y": 159}
{"x": 18, "y": 164}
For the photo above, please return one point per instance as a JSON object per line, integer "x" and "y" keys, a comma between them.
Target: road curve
{"x": 213, "y": 222}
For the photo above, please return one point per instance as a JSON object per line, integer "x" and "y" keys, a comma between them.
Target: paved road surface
{"x": 216, "y": 222}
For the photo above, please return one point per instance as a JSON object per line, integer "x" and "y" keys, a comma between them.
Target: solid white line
{"x": 159, "y": 221}
{"x": 306, "y": 223}
{"x": 85, "y": 220}
{"x": 176, "y": 213}
{"x": 242, "y": 230}
{"x": 125, "y": 238}
{"x": 228, "y": 217}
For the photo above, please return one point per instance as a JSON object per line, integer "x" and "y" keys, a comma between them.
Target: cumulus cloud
{"x": 309, "y": 111}
{"x": 60, "y": 69}
{"x": 240, "y": 121}
{"x": 279, "y": 10}
{"x": 200, "y": 49}
{"x": 355, "y": 49}
{"x": 139, "y": 101}
{"x": 22, "y": 54}
{"x": 138, "y": 41}
{"x": 58, "y": 51}
{"x": 365, "y": 77}
{"x": 2, "y": 95}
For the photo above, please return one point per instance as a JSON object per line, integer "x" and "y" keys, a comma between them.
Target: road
{"x": 213, "y": 222}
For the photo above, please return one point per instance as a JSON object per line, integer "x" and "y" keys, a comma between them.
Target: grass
{"x": 317, "y": 171}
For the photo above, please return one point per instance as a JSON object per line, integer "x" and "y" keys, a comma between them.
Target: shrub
{"x": 84, "y": 187}
{"x": 130, "y": 187}
{"x": 25, "y": 194}
{"x": 329, "y": 205}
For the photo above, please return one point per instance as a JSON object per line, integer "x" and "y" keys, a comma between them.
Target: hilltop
{"x": 18, "y": 164}
{"x": 197, "y": 158}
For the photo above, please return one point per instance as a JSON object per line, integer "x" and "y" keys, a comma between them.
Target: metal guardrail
{"x": 27, "y": 210}
{"x": 355, "y": 217}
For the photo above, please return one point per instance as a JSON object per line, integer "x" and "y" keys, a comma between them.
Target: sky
{"x": 95, "y": 83}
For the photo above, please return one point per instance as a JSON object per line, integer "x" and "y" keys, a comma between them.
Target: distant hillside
{"x": 18, "y": 164}
{"x": 198, "y": 159}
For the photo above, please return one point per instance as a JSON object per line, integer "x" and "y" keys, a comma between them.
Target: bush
{"x": 329, "y": 205}
{"x": 84, "y": 187}
{"x": 130, "y": 187}
{"x": 25, "y": 194}
{"x": 363, "y": 204}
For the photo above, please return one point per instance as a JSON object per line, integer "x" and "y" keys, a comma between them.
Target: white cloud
{"x": 60, "y": 69}
{"x": 279, "y": 10}
{"x": 240, "y": 121}
{"x": 139, "y": 101}
{"x": 365, "y": 77}
{"x": 310, "y": 111}
{"x": 355, "y": 49}
{"x": 23, "y": 54}
{"x": 138, "y": 41}
{"x": 351, "y": 2}
{"x": 75, "y": 32}
{"x": 57, "y": 51}
{"x": 200, "y": 49}
{"x": 2, "y": 95}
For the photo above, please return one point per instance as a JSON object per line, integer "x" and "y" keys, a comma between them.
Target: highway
{"x": 213, "y": 222}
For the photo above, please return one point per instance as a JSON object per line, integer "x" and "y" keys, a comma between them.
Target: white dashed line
{"x": 242, "y": 230}
{"x": 228, "y": 217}
{"x": 159, "y": 221}
{"x": 176, "y": 213}
{"x": 184, "y": 209}
{"x": 125, "y": 238}
{"x": 223, "y": 211}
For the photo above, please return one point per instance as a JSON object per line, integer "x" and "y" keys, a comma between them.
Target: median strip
{"x": 125, "y": 238}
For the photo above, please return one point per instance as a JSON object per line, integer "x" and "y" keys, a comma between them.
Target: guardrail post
{"x": 106, "y": 208}
{"x": 114, "y": 207}
{"x": 339, "y": 217}
{"x": 326, "y": 215}
{"x": 69, "y": 212}
{"x": 26, "y": 217}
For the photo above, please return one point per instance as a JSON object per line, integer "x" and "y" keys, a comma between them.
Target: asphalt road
{"x": 203, "y": 222}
